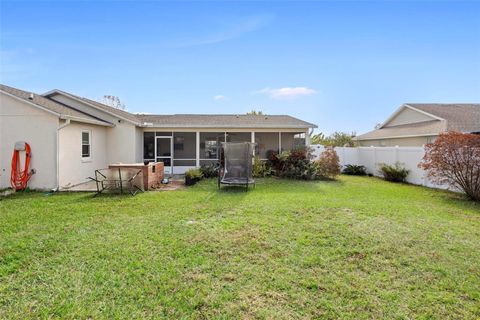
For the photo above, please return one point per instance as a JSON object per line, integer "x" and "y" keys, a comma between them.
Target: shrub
{"x": 209, "y": 170}
{"x": 395, "y": 173}
{"x": 261, "y": 168}
{"x": 294, "y": 164}
{"x": 192, "y": 176}
{"x": 454, "y": 158}
{"x": 328, "y": 164}
{"x": 355, "y": 170}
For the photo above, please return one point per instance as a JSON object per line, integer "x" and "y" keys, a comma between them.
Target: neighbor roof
{"x": 223, "y": 121}
{"x": 47, "y": 104}
{"x": 445, "y": 117}
{"x": 462, "y": 117}
{"x": 426, "y": 128}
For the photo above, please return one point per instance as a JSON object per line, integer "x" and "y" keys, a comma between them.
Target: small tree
{"x": 336, "y": 139}
{"x": 454, "y": 158}
{"x": 113, "y": 101}
{"x": 255, "y": 113}
{"x": 328, "y": 164}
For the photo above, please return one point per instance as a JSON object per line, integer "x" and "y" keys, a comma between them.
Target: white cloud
{"x": 219, "y": 97}
{"x": 287, "y": 92}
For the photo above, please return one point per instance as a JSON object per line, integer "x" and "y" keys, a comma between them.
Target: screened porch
{"x": 180, "y": 151}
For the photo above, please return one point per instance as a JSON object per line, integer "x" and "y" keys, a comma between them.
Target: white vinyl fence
{"x": 371, "y": 157}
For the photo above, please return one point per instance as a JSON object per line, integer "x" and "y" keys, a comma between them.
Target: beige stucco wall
{"x": 406, "y": 116}
{"x": 138, "y": 144}
{"x": 74, "y": 169}
{"x": 123, "y": 138}
{"x": 20, "y": 121}
{"x": 401, "y": 142}
{"x": 121, "y": 147}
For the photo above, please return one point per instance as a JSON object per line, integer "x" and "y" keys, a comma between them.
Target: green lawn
{"x": 359, "y": 248}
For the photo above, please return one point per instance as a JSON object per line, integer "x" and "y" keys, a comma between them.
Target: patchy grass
{"x": 359, "y": 248}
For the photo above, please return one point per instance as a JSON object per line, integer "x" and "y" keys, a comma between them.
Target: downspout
{"x": 67, "y": 122}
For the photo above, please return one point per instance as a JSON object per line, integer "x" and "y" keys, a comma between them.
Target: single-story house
{"x": 416, "y": 124}
{"x": 72, "y": 136}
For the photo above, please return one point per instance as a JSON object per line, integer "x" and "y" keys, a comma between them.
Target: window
{"x": 149, "y": 146}
{"x": 209, "y": 144}
{"x": 239, "y": 136}
{"x": 185, "y": 145}
{"x": 292, "y": 141}
{"x": 86, "y": 144}
{"x": 267, "y": 143}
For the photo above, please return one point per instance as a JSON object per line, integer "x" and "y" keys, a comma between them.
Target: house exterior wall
{"x": 122, "y": 139}
{"x": 401, "y": 142}
{"x": 407, "y": 116}
{"x": 73, "y": 169}
{"x": 20, "y": 121}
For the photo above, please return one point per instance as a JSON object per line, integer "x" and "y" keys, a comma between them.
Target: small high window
{"x": 86, "y": 143}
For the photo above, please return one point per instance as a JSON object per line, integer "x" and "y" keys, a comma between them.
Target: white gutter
{"x": 67, "y": 122}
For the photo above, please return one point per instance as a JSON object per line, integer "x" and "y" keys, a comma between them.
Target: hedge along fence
{"x": 371, "y": 157}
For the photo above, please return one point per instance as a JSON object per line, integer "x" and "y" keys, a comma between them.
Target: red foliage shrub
{"x": 454, "y": 158}
{"x": 328, "y": 164}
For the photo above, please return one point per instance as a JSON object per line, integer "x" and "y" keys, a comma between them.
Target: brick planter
{"x": 152, "y": 172}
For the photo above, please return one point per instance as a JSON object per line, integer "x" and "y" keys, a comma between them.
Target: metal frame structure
{"x": 240, "y": 172}
{"x": 105, "y": 183}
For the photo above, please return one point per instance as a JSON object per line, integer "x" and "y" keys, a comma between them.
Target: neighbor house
{"x": 72, "y": 136}
{"x": 415, "y": 124}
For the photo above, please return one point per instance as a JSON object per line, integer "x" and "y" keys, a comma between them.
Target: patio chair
{"x": 236, "y": 164}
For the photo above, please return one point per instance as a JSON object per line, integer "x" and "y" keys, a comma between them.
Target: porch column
{"x": 197, "y": 150}
{"x": 253, "y": 137}
{"x": 279, "y": 142}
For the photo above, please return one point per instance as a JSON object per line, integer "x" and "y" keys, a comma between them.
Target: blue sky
{"x": 342, "y": 65}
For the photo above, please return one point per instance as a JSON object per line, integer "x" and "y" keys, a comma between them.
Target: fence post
{"x": 396, "y": 154}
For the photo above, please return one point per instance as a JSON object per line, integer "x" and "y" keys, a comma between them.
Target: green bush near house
{"x": 192, "y": 176}
{"x": 209, "y": 170}
{"x": 355, "y": 170}
{"x": 261, "y": 168}
{"x": 394, "y": 173}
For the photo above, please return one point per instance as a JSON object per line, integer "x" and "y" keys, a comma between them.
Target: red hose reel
{"x": 19, "y": 178}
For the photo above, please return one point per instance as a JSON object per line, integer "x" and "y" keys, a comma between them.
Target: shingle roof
{"x": 53, "y": 106}
{"x": 118, "y": 112}
{"x": 420, "y": 128}
{"x": 223, "y": 121}
{"x": 460, "y": 117}
{"x": 456, "y": 117}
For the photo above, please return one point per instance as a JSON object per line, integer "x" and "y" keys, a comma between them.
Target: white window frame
{"x": 89, "y": 158}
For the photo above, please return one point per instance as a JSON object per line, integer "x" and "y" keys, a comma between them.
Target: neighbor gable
{"x": 407, "y": 115}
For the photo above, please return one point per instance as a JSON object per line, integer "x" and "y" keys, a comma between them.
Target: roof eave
{"x": 359, "y": 138}
{"x": 92, "y": 121}
{"x": 56, "y": 91}
{"x": 226, "y": 127}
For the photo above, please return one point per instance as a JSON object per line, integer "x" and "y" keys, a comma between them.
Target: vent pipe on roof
{"x": 30, "y": 97}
